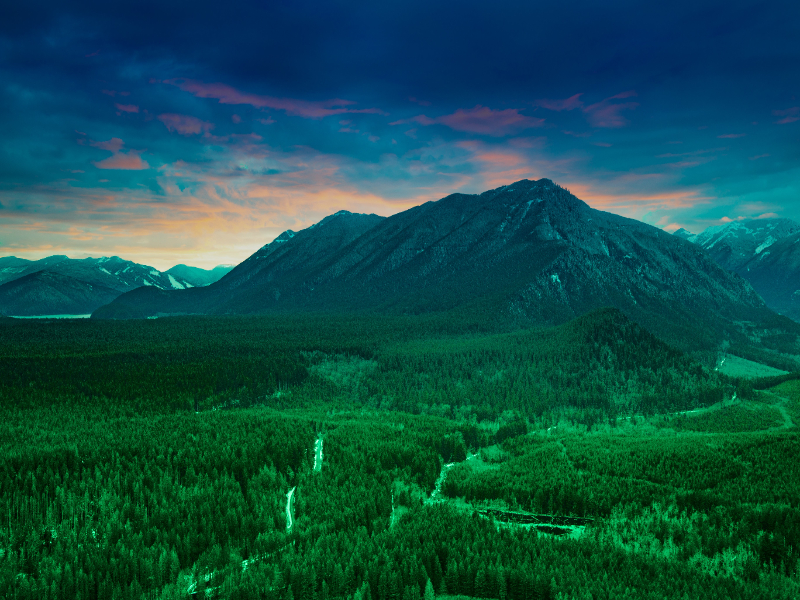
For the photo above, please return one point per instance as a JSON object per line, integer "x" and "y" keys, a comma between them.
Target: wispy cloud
{"x": 184, "y": 124}
{"x": 577, "y": 134}
{"x": 731, "y": 136}
{"x": 128, "y": 108}
{"x": 570, "y": 103}
{"x": 790, "y": 115}
{"x": 226, "y": 94}
{"x": 480, "y": 119}
{"x": 606, "y": 113}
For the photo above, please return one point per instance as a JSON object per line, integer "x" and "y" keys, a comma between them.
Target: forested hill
{"x": 593, "y": 368}
{"x": 530, "y": 251}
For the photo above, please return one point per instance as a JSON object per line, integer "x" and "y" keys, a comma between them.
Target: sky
{"x": 196, "y": 132}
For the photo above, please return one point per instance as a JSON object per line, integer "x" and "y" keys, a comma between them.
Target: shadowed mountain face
{"x": 530, "y": 252}
{"x": 766, "y": 252}
{"x": 198, "y": 277}
{"x": 77, "y": 282}
{"x": 49, "y": 293}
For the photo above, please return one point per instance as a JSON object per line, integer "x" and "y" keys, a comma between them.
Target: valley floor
{"x": 137, "y": 463}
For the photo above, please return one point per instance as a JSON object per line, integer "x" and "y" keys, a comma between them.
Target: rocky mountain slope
{"x": 73, "y": 284}
{"x": 766, "y": 252}
{"x": 530, "y": 252}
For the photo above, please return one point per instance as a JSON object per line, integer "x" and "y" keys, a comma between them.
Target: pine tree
{"x": 429, "y": 591}
{"x": 481, "y": 584}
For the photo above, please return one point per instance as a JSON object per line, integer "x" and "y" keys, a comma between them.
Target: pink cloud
{"x": 269, "y": 121}
{"x": 112, "y": 145}
{"x": 480, "y": 119}
{"x": 558, "y": 105}
{"x": 128, "y": 108}
{"x": 184, "y": 124}
{"x": 790, "y": 115}
{"x": 607, "y": 113}
{"x": 602, "y": 144}
{"x": 731, "y": 136}
{"x": 225, "y": 94}
{"x": 126, "y": 162}
{"x": 130, "y": 161}
{"x": 113, "y": 93}
{"x": 236, "y": 119}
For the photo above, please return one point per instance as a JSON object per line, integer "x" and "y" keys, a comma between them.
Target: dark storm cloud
{"x": 278, "y": 108}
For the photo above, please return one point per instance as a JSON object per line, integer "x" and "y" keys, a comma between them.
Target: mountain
{"x": 79, "y": 283}
{"x": 51, "y": 293}
{"x": 530, "y": 252}
{"x": 12, "y": 267}
{"x": 199, "y": 277}
{"x": 734, "y": 244}
{"x": 763, "y": 251}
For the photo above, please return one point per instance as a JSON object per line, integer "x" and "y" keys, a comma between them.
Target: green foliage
{"x": 113, "y": 486}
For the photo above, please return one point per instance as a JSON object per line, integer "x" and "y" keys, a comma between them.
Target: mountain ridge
{"x": 529, "y": 252}
{"x": 762, "y": 251}
{"x": 80, "y": 284}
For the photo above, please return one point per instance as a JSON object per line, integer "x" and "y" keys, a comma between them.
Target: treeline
{"x": 591, "y": 369}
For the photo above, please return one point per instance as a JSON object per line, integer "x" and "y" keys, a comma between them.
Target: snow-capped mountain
{"x": 763, "y": 251}
{"x": 734, "y": 244}
{"x": 85, "y": 283}
{"x": 529, "y": 252}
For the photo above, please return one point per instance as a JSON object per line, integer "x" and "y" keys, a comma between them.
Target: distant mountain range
{"x": 198, "y": 277}
{"x": 530, "y": 253}
{"x": 60, "y": 285}
{"x": 766, "y": 252}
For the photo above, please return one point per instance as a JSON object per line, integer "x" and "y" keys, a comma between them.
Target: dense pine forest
{"x": 389, "y": 458}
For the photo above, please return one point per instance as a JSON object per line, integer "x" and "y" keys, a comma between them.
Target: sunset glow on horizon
{"x": 192, "y": 133}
